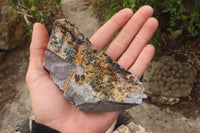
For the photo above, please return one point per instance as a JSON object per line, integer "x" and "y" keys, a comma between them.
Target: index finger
{"x": 104, "y": 35}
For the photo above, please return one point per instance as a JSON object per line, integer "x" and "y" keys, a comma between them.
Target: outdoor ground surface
{"x": 15, "y": 111}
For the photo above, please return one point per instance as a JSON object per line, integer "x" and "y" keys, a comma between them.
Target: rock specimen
{"x": 88, "y": 77}
{"x": 169, "y": 79}
{"x": 12, "y": 28}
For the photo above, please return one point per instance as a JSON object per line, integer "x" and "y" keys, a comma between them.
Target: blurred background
{"x": 172, "y": 80}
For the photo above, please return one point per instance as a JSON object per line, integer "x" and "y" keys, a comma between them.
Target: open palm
{"x": 129, "y": 49}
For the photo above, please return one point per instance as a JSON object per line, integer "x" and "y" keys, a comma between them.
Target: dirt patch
{"x": 79, "y": 12}
{"x": 15, "y": 103}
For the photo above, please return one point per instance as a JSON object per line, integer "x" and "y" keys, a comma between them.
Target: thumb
{"x": 37, "y": 50}
{"x": 38, "y": 46}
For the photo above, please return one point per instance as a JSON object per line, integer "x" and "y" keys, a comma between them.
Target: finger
{"x": 142, "y": 61}
{"x": 124, "y": 38}
{"x": 38, "y": 46}
{"x": 104, "y": 35}
{"x": 37, "y": 50}
{"x": 144, "y": 35}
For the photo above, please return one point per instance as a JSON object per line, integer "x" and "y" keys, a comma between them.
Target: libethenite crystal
{"x": 90, "y": 79}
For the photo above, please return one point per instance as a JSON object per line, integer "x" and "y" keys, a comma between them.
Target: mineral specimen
{"x": 88, "y": 77}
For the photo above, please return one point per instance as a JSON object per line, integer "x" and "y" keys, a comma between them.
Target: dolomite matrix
{"x": 89, "y": 78}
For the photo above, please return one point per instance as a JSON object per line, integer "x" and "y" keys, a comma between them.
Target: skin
{"x": 129, "y": 49}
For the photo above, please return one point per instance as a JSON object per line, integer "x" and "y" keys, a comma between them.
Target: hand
{"x": 129, "y": 48}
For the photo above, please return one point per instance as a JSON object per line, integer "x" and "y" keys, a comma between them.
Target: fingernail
{"x": 34, "y": 25}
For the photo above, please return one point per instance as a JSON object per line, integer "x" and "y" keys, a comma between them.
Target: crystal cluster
{"x": 89, "y": 78}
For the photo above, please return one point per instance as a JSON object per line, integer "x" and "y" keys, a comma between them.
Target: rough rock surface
{"x": 155, "y": 120}
{"x": 2, "y": 56}
{"x": 167, "y": 77}
{"x": 131, "y": 128}
{"x": 12, "y": 30}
